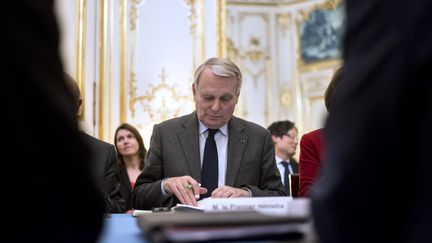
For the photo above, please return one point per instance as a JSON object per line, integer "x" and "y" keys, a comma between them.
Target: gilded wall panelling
{"x": 265, "y": 3}
{"x": 255, "y": 62}
{"x": 143, "y": 83}
{"x": 80, "y": 53}
{"x": 284, "y": 85}
{"x": 314, "y": 85}
{"x": 221, "y": 28}
{"x": 123, "y": 60}
{"x": 102, "y": 45}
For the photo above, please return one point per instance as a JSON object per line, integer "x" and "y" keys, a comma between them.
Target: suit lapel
{"x": 189, "y": 141}
{"x": 237, "y": 141}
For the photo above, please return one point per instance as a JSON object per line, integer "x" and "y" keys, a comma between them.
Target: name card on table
{"x": 269, "y": 205}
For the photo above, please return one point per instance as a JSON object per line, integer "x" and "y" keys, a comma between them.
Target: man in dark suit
{"x": 103, "y": 157}
{"x": 48, "y": 192}
{"x": 285, "y": 140}
{"x": 377, "y": 183}
{"x": 183, "y": 150}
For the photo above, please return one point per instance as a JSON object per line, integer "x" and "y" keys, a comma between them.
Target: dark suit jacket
{"x": 174, "y": 151}
{"x": 48, "y": 192}
{"x": 377, "y": 184}
{"x": 311, "y": 155}
{"x": 103, "y": 156}
{"x": 294, "y": 165}
{"x": 125, "y": 187}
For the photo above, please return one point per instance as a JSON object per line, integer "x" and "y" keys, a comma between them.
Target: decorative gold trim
{"x": 268, "y": 87}
{"x": 102, "y": 63}
{"x": 133, "y": 15}
{"x": 262, "y": 4}
{"x": 283, "y": 23}
{"x": 221, "y": 41}
{"x": 80, "y": 52}
{"x": 286, "y": 98}
{"x": 123, "y": 57}
{"x": 192, "y": 28}
{"x": 201, "y": 35}
{"x": 327, "y": 5}
{"x": 161, "y": 111}
{"x": 331, "y": 4}
{"x": 283, "y": 20}
{"x": 110, "y": 40}
{"x": 232, "y": 51}
{"x": 298, "y": 100}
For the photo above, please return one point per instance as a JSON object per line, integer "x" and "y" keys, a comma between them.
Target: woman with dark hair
{"x": 311, "y": 144}
{"x": 130, "y": 159}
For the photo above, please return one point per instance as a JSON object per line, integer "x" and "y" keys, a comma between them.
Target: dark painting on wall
{"x": 321, "y": 35}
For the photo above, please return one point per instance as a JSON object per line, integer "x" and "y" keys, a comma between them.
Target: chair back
{"x": 294, "y": 184}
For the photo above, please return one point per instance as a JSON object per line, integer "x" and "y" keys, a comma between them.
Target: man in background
{"x": 103, "y": 157}
{"x": 285, "y": 141}
{"x": 48, "y": 191}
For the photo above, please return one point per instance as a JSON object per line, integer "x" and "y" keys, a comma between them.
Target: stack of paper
{"x": 221, "y": 226}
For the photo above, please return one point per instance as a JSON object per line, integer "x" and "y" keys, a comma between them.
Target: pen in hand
{"x": 190, "y": 187}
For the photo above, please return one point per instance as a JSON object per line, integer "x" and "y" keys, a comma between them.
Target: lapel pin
{"x": 243, "y": 140}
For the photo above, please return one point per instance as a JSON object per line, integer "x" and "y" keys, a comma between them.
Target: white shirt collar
{"x": 223, "y": 129}
{"x": 279, "y": 160}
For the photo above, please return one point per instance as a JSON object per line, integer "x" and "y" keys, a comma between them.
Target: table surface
{"x": 124, "y": 228}
{"x": 121, "y": 228}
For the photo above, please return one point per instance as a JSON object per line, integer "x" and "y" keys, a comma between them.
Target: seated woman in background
{"x": 311, "y": 144}
{"x": 130, "y": 153}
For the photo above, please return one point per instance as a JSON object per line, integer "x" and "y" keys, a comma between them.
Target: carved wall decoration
{"x": 232, "y": 51}
{"x": 283, "y": 23}
{"x": 254, "y": 60}
{"x": 154, "y": 100}
{"x": 286, "y": 98}
{"x": 162, "y": 101}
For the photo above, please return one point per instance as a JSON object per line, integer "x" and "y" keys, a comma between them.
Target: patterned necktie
{"x": 286, "y": 177}
{"x": 210, "y": 165}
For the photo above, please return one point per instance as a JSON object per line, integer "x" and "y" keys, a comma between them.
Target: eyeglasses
{"x": 292, "y": 136}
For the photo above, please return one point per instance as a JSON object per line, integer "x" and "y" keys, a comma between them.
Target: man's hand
{"x": 185, "y": 188}
{"x": 227, "y": 192}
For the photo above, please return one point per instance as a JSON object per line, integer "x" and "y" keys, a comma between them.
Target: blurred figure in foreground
{"x": 47, "y": 184}
{"x": 377, "y": 184}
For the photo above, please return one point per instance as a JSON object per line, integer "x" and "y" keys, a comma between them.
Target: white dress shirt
{"x": 221, "y": 139}
{"x": 281, "y": 168}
